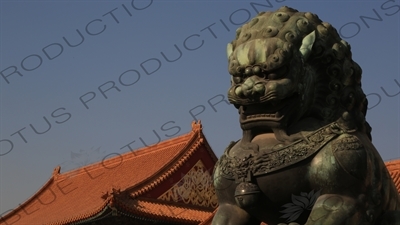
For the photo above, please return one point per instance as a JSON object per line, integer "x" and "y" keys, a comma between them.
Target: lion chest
{"x": 243, "y": 162}
{"x": 279, "y": 186}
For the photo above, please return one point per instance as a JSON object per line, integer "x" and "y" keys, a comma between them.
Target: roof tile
{"x": 165, "y": 211}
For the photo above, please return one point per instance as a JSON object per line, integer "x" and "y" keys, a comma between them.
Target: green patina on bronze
{"x": 306, "y": 155}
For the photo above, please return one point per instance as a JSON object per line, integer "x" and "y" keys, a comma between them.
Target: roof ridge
{"x": 29, "y": 200}
{"x": 125, "y": 206}
{"x": 176, "y": 204}
{"x": 129, "y": 155}
{"x": 208, "y": 148}
{"x": 193, "y": 144}
{"x": 393, "y": 164}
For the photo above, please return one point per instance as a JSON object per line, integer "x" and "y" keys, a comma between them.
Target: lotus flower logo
{"x": 299, "y": 204}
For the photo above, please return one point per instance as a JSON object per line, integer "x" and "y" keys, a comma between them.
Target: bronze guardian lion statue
{"x": 306, "y": 155}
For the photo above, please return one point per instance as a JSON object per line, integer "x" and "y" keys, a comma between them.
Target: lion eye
{"x": 282, "y": 70}
{"x": 278, "y": 73}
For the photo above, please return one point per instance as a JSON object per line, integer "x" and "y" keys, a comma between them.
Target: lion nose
{"x": 251, "y": 87}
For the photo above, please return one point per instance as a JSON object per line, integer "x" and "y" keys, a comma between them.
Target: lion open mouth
{"x": 271, "y": 111}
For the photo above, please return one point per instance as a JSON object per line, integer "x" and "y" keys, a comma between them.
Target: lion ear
{"x": 306, "y": 45}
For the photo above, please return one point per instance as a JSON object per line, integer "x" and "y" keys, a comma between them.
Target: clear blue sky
{"x": 114, "y": 87}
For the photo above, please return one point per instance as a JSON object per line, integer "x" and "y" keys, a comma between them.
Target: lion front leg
{"x": 229, "y": 214}
{"x": 335, "y": 209}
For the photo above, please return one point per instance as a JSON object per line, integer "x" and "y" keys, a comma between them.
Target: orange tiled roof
{"x": 208, "y": 220}
{"x": 164, "y": 211}
{"x": 85, "y": 192}
{"x": 394, "y": 169}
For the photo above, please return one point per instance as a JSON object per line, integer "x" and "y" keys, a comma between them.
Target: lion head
{"x": 287, "y": 65}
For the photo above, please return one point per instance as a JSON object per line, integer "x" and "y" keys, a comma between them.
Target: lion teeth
{"x": 263, "y": 116}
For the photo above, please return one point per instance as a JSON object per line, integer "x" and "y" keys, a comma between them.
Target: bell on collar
{"x": 247, "y": 195}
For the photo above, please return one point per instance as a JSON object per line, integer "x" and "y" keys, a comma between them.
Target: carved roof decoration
{"x": 195, "y": 188}
{"x": 116, "y": 186}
